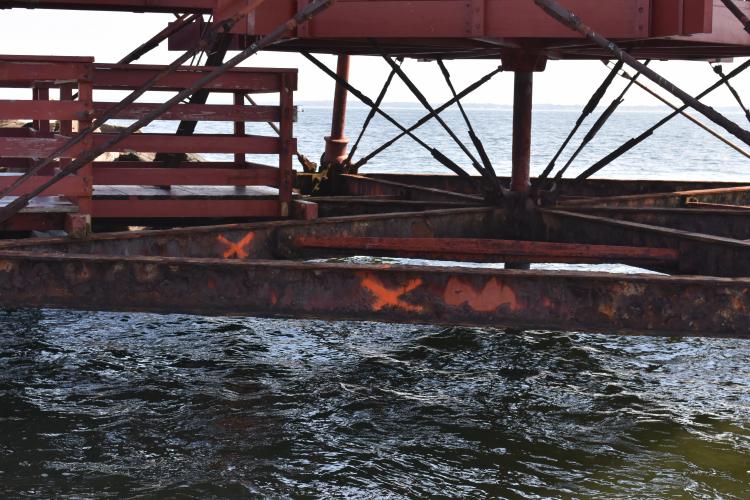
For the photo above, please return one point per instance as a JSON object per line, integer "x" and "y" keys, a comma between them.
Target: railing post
{"x": 239, "y": 127}
{"x": 286, "y": 145}
{"x": 41, "y": 94}
{"x": 79, "y": 225}
{"x": 66, "y": 126}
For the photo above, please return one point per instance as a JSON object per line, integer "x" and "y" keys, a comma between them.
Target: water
{"x": 138, "y": 405}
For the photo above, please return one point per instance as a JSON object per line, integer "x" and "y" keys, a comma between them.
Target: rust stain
{"x": 490, "y": 298}
{"x": 238, "y": 249}
{"x": 6, "y": 266}
{"x": 211, "y": 284}
{"x": 274, "y": 298}
{"x": 391, "y": 297}
{"x": 146, "y": 273}
{"x": 607, "y": 310}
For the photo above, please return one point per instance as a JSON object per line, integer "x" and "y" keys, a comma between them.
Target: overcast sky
{"x": 109, "y": 36}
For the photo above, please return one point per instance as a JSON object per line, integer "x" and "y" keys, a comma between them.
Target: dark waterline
{"x": 136, "y": 405}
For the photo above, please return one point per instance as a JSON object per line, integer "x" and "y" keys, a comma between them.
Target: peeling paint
{"x": 491, "y": 297}
{"x": 391, "y": 297}
{"x": 238, "y": 249}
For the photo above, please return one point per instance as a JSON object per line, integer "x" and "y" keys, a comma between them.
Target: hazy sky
{"x": 109, "y": 36}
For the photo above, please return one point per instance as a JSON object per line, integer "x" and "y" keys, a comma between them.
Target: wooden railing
{"x": 66, "y": 77}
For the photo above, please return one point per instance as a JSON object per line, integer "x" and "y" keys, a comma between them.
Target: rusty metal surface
{"x": 500, "y": 298}
{"x": 264, "y": 240}
{"x": 735, "y": 195}
{"x": 484, "y": 250}
{"x": 730, "y": 223}
{"x": 568, "y": 186}
{"x": 700, "y": 254}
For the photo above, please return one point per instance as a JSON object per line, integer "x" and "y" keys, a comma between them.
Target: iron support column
{"x": 522, "y": 102}
{"x": 337, "y": 142}
{"x": 522, "y": 107}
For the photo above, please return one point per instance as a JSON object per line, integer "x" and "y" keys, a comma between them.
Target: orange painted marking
{"x": 238, "y": 249}
{"x": 493, "y": 296}
{"x": 388, "y": 297}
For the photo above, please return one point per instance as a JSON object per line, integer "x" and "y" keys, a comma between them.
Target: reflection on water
{"x": 170, "y": 405}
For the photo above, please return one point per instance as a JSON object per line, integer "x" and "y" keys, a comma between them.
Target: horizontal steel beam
{"x": 487, "y": 250}
{"x": 268, "y": 240}
{"x": 730, "y": 223}
{"x": 597, "y": 302}
{"x": 736, "y": 195}
{"x": 700, "y": 254}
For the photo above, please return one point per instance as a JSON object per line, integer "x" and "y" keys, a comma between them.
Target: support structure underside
{"x": 329, "y": 243}
{"x": 275, "y": 268}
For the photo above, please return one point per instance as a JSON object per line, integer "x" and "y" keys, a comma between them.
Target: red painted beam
{"x": 196, "y": 112}
{"x": 201, "y": 143}
{"x": 27, "y": 69}
{"x": 42, "y": 110}
{"x": 154, "y": 176}
{"x": 35, "y": 147}
{"x": 180, "y": 209}
{"x": 72, "y": 186}
{"x": 451, "y": 19}
{"x": 132, "y": 76}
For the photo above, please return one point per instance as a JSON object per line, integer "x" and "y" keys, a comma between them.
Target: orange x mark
{"x": 387, "y": 297}
{"x": 238, "y": 249}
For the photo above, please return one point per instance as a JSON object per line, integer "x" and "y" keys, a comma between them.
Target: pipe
{"x": 337, "y": 142}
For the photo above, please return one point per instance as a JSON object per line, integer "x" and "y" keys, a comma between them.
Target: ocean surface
{"x": 145, "y": 406}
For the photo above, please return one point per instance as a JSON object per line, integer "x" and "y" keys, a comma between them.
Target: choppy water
{"x": 97, "y": 404}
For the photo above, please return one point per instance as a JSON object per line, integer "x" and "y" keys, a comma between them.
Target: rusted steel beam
{"x": 597, "y": 302}
{"x": 700, "y": 254}
{"x": 334, "y": 206}
{"x": 488, "y": 250}
{"x": 268, "y": 240}
{"x": 737, "y": 195}
{"x": 700, "y": 204}
{"x": 362, "y": 185}
{"x": 572, "y": 187}
{"x": 729, "y": 223}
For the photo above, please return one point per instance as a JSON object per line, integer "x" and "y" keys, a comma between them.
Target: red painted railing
{"x": 63, "y": 77}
